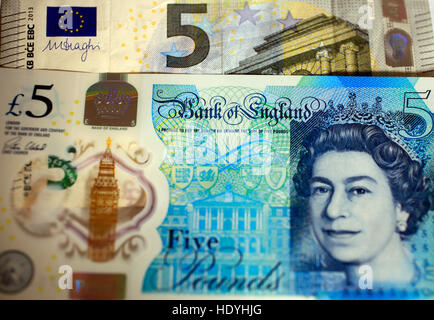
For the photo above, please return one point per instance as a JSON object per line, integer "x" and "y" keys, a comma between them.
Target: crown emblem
{"x": 392, "y": 123}
{"x": 112, "y": 105}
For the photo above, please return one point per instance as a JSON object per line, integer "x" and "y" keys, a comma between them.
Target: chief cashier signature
{"x": 15, "y": 144}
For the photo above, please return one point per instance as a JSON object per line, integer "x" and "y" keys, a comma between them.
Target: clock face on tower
{"x": 16, "y": 271}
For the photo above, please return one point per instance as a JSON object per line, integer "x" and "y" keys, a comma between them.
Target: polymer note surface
{"x": 202, "y": 186}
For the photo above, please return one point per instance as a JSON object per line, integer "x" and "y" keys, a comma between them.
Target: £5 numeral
{"x": 14, "y": 104}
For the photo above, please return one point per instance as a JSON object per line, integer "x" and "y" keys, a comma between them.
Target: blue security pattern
{"x": 244, "y": 228}
{"x": 239, "y": 235}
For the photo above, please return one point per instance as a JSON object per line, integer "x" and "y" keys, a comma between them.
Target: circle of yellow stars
{"x": 72, "y": 30}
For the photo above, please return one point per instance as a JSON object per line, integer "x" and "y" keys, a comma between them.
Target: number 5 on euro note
{"x": 200, "y": 38}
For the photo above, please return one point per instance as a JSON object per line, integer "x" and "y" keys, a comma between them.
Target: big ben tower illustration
{"x": 104, "y": 199}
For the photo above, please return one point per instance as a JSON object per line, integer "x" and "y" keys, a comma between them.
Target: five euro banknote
{"x": 320, "y": 37}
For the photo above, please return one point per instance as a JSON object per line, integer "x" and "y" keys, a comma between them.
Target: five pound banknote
{"x": 158, "y": 186}
{"x": 319, "y": 37}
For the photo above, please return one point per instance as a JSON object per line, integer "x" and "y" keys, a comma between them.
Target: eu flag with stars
{"x": 70, "y": 21}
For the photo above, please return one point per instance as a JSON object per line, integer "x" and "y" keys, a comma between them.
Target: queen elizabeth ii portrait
{"x": 364, "y": 196}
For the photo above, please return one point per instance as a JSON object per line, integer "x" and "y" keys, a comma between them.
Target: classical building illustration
{"x": 319, "y": 45}
{"x": 259, "y": 232}
{"x": 103, "y": 210}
